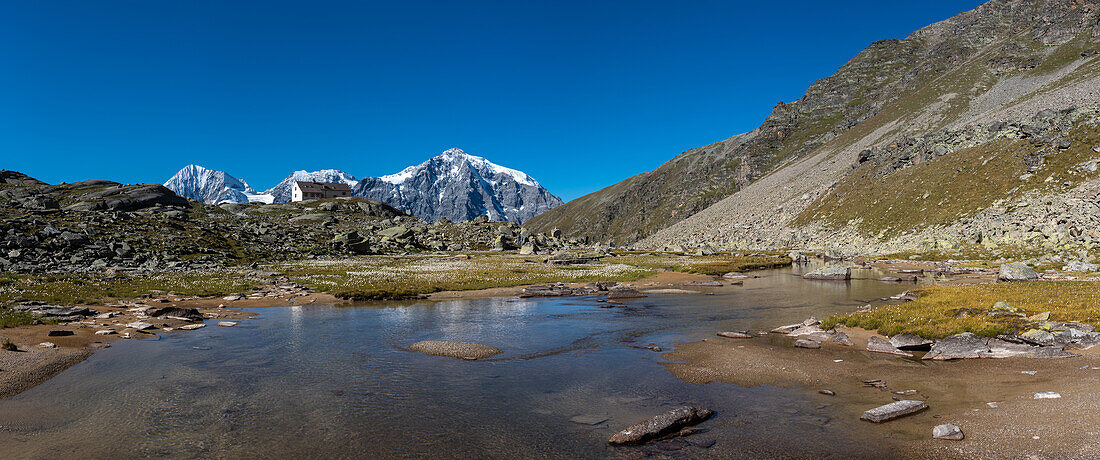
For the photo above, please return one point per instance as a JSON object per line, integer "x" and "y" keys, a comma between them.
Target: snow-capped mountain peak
{"x": 211, "y": 186}
{"x": 454, "y": 158}
{"x": 460, "y": 186}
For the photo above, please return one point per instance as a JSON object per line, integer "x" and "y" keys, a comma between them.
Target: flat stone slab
{"x": 805, "y": 343}
{"x": 460, "y": 350}
{"x": 661, "y": 425}
{"x": 894, "y": 410}
{"x": 910, "y": 342}
{"x": 880, "y": 345}
{"x": 140, "y": 325}
{"x": 736, "y": 335}
{"x": 959, "y": 346}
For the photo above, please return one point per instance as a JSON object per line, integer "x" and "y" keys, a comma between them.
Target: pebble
{"x": 827, "y": 392}
{"x": 105, "y": 332}
{"x": 1029, "y": 372}
{"x": 227, "y": 323}
{"x": 47, "y": 345}
{"x": 1047, "y": 395}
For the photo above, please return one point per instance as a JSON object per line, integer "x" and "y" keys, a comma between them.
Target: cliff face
{"x": 997, "y": 105}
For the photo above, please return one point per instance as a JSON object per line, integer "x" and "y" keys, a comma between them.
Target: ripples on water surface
{"x": 325, "y": 382}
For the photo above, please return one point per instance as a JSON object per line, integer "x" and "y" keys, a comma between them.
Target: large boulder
{"x": 830, "y": 273}
{"x": 1017, "y": 271}
{"x": 662, "y": 425}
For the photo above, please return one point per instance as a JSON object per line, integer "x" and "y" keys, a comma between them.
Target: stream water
{"x": 338, "y": 382}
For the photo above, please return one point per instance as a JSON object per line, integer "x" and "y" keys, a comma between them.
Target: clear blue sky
{"x": 578, "y": 94}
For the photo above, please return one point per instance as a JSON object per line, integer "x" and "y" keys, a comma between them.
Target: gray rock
{"x": 56, "y": 312}
{"x": 461, "y": 350}
{"x": 947, "y": 431}
{"x": 959, "y": 346}
{"x": 1037, "y": 337}
{"x": 736, "y": 335}
{"x": 1083, "y": 267}
{"x": 661, "y": 425}
{"x": 798, "y": 258}
{"x": 880, "y": 345}
{"x": 999, "y": 348}
{"x": 830, "y": 273}
{"x": 910, "y": 342}
{"x": 893, "y": 410}
{"x": 806, "y": 343}
{"x": 186, "y": 314}
{"x": 1017, "y": 271}
{"x": 140, "y": 325}
{"x": 624, "y": 292}
{"x": 805, "y": 330}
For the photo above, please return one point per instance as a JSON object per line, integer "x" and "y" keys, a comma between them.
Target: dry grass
{"x": 715, "y": 265}
{"x": 940, "y": 311}
{"x": 396, "y": 277}
{"x": 84, "y": 289}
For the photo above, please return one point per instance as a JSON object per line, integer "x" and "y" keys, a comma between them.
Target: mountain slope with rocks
{"x": 460, "y": 187}
{"x": 989, "y": 145}
{"x": 283, "y": 190}
{"x": 968, "y": 67}
{"x": 212, "y": 187}
{"x": 95, "y": 225}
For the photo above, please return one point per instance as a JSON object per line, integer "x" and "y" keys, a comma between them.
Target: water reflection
{"x": 319, "y": 381}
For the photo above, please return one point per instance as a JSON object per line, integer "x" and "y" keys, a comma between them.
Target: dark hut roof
{"x": 320, "y": 187}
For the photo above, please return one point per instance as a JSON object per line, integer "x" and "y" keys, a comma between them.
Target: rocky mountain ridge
{"x": 939, "y": 168}
{"x": 92, "y": 226}
{"x": 1004, "y": 62}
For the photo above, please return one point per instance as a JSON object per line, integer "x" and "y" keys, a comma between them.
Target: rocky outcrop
{"x": 662, "y": 425}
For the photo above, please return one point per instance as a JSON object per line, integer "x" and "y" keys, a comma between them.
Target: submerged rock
{"x": 1016, "y": 271}
{"x": 893, "y": 410}
{"x": 947, "y": 431}
{"x": 830, "y": 273}
{"x": 662, "y": 425}
{"x": 461, "y": 350}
